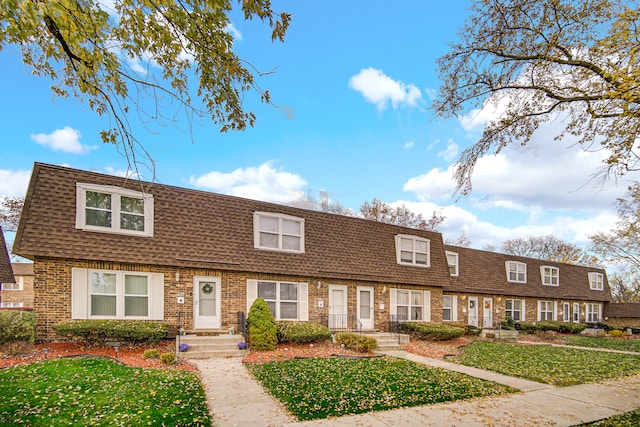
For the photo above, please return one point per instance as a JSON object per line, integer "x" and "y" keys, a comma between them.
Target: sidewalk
{"x": 236, "y": 399}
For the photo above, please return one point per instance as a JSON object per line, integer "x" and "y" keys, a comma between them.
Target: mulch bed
{"x": 438, "y": 349}
{"x": 293, "y": 351}
{"x": 20, "y": 354}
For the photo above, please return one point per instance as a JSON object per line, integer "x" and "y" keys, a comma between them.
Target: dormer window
{"x": 596, "y": 281}
{"x": 550, "y": 275}
{"x": 113, "y": 209}
{"x": 278, "y": 232}
{"x": 452, "y": 260}
{"x": 412, "y": 250}
{"x": 516, "y": 271}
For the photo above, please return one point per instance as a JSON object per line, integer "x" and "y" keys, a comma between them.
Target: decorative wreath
{"x": 207, "y": 288}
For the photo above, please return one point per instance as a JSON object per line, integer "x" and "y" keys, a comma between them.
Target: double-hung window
{"x": 550, "y": 275}
{"x": 17, "y": 286}
{"x": 278, "y": 232}
{"x": 516, "y": 271}
{"x": 514, "y": 309}
{"x": 409, "y": 305}
{"x": 114, "y": 294}
{"x": 596, "y": 281}
{"x": 593, "y": 313}
{"x": 12, "y": 304}
{"x": 113, "y": 210}
{"x": 546, "y": 310}
{"x": 412, "y": 250}
{"x": 286, "y": 300}
{"x": 449, "y": 308}
{"x": 452, "y": 260}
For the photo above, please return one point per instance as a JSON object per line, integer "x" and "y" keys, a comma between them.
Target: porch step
{"x": 388, "y": 341}
{"x": 205, "y": 347}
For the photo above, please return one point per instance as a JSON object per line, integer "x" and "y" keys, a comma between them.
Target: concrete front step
{"x": 204, "y": 347}
{"x": 388, "y": 341}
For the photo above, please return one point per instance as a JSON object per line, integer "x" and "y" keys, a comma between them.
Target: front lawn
{"x": 552, "y": 365}
{"x": 602, "y": 342}
{"x": 89, "y": 391}
{"x": 323, "y": 387}
{"x": 630, "y": 419}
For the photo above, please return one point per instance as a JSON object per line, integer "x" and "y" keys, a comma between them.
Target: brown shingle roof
{"x": 622, "y": 310}
{"x": 6, "y": 273}
{"x": 22, "y": 268}
{"x": 485, "y": 272}
{"x": 201, "y": 229}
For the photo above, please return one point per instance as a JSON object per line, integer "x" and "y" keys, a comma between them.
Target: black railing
{"x": 242, "y": 325}
{"x": 341, "y": 322}
{"x": 394, "y": 325}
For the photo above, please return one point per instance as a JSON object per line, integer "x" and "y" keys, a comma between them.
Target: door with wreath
{"x": 206, "y": 302}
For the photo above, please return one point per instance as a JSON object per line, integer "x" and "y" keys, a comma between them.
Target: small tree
{"x": 263, "y": 331}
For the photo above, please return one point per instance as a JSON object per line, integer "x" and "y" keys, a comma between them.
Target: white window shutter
{"x": 252, "y": 293}
{"x": 555, "y": 310}
{"x": 156, "y": 296}
{"x": 523, "y": 313}
{"x": 427, "y": 306}
{"x": 393, "y": 302}
{"x": 599, "y": 312}
{"x": 539, "y": 310}
{"x": 303, "y": 302}
{"x": 454, "y": 308}
{"x": 79, "y": 293}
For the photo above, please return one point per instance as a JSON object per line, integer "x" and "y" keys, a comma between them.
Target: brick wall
{"x": 25, "y": 296}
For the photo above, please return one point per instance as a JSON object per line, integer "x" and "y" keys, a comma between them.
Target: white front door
{"x": 206, "y": 302}
{"x": 365, "y": 307}
{"x": 487, "y": 313}
{"x": 473, "y": 311}
{"x": 338, "y": 307}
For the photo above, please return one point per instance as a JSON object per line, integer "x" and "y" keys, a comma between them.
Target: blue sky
{"x": 354, "y": 82}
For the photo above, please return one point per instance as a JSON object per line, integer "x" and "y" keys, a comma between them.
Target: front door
{"x": 206, "y": 302}
{"x": 365, "y": 307}
{"x": 337, "y": 307}
{"x": 487, "y": 313}
{"x": 473, "y": 311}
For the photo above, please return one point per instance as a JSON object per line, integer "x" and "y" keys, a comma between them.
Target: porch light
{"x": 177, "y": 276}
{"x": 384, "y": 289}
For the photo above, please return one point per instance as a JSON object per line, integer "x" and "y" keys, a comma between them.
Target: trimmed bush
{"x": 468, "y": 329}
{"x": 151, "y": 353}
{"x": 302, "y": 332}
{"x": 168, "y": 358}
{"x": 99, "y": 332}
{"x": 561, "y": 327}
{"x": 526, "y": 327}
{"x": 17, "y": 325}
{"x": 431, "y": 331}
{"x": 263, "y": 332}
{"x": 615, "y": 333}
{"x": 361, "y": 343}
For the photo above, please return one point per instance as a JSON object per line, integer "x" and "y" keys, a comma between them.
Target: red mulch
{"x": 291, "y": 351}
{"x": 438, "y": 349}
{"x": 21, "y": 353}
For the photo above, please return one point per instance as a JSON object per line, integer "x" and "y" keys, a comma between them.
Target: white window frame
{"x": 548, "y": 278}
{"x": 575, "y": 316}
{"x": 596, "y": 281}
{"x": 452, "y": 306}
{"x": 280, "y": 233}
{"x": 426, "y": 304}
{"x": 593, "y": 312}
{"x": 520, "y": 269}
{"x": 18, "y": 285}
{"x": 453, "y": 260}
{"x": 81, "y": 294}
{"x": 10, "y": 304}
{"x": 566, "y": 312}
{"x": 521, "y": 311}
{"x": 302, "y": 294}
{"x": 413, "y": 239}
{"x": 116, "y": 194}
{"x": 543, "y": 307}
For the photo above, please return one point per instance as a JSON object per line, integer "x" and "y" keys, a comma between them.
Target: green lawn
{"x": 552, "y": 365}
{"x": 88, "y": 392}
{"x": 602, "y": 342}
{"x": 630, "y": 419}
{"x": 323, "y": 387}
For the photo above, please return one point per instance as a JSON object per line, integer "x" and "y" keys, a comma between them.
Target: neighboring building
{"x": 623, "y": 314}
{"x": 18, "y": 294}
{"x": 106, "y": 247}
{"x": 6, "y": 273}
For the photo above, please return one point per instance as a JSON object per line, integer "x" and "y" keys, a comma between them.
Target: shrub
{"x": 151, "y": 353}
{"x": 526, "y": 327}
{"x": 468, "y": 329}
{"x": 508, "y": 324}
{"x": 617, "y": 334}
{"x": 561, "y": 327}
{"x": 302, "y": 332}
{"x": 168, "y": 358}
{"x": 361, "y": 343}
{"x": 96, "y": 332}
{"x": 17, "y": 325}
{"x": 263, "y": 332}
{"x": 431, "y": 331}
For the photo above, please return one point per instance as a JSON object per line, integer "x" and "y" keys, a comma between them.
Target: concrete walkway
{"x": 236, "y": 399}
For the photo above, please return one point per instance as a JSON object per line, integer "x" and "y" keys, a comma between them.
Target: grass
{"x": 88, "y": 392}
{"x": 333, "y": 387}
{"x": 552, "y": 365}
{"x": 601, "y": 342}
{"x": 630, "y": 419}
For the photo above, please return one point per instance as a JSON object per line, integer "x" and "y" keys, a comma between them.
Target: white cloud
{"x": 409, "y": 145}
{"x": 379, "y": 89}
{"x": 123, "y": 173}
{"x": 66, "y": 139}
{"x": 231, "y": 29}
{"x": 14, "y": 183}
{"x": 261, "y": 183}
{"x": 451, "y": 152}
